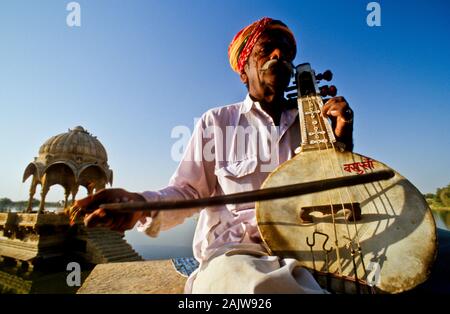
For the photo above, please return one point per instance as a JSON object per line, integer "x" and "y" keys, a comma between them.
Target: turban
{"x": 242, "y": 44}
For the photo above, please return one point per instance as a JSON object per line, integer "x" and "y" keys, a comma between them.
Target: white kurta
{"x": 233, "y": 149}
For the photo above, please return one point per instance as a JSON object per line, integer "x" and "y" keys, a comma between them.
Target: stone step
{"x": 113, "y": 250}
{"x": 95, "y": 230}
{"x": 103, "y": 231}
{"x": 106, "y": 236}
{"x": 120, "y": 257}
{"x": 125, "y": 259}
{"x": 106, "y": 240}
{"x": 131, "y": 259}
{"x": 117, "y": 249}
{"x": 107, "y": 246}
{"x": 113, "y": 245}
{"x": 106, "y": 243}
{"x": 123, "y": 253}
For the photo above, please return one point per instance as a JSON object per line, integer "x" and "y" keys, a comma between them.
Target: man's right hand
{"x": 95, "y": 216}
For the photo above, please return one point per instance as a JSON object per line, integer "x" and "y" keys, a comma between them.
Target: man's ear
{"x": 244, "y": 78}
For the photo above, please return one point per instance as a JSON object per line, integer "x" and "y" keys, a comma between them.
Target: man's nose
{"x": 276, "y": 54}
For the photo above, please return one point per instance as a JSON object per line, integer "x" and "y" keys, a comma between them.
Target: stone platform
{"x": 158, "y": 277}
{"x": 33, "y": 239}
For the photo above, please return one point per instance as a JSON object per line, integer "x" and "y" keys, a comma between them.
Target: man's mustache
{"x": 275, "y": 63}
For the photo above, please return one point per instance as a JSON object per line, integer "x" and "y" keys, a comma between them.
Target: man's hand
{"x": 97, "y": 216}
{"x": 341, "y": 115}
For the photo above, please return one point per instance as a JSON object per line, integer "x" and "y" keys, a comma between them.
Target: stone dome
{"x": 76, "y": 141}
{"x": 72, "y": 159}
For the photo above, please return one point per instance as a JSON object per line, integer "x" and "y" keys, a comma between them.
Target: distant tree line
{"x": 6, "y": 203}
{"x": 441, "y": 198}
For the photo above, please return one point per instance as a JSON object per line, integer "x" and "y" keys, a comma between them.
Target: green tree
{"x": 5, "y": 203}
{"x": 443, "y": 196}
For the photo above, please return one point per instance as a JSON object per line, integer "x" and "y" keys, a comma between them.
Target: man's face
{"x": 265, "y": 83}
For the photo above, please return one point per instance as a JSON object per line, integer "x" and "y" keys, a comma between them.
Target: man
{"x": 227, "y": 242}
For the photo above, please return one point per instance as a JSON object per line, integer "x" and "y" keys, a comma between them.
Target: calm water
{"x": 176, "y": 242}
{"x": 442, "y": 219}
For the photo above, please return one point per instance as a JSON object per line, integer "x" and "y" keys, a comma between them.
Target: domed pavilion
{"x": 71, "y": 159}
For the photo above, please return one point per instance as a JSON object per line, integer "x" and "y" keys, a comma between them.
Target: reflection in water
{"x": 442, "y": 218}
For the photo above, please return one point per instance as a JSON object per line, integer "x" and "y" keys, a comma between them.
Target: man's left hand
{"x": 341, "y": 115}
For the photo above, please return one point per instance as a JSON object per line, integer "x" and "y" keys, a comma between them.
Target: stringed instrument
{"x": 373, "y": 237}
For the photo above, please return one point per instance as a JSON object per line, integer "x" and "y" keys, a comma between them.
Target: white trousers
{"x": 242, "y": 271}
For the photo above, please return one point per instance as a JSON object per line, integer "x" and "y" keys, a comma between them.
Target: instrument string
{"x": 349, "y": 196}
{"x": 357, "y": 233}
{"x": 352, "y": 250}
{"x": 333, "y": 168}
{"x": 312, "y": 109}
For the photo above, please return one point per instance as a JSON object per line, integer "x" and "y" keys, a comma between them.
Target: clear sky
{"x": 136, "y": 69}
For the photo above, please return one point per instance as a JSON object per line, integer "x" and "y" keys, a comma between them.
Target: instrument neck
{"x": 316, "y": 131}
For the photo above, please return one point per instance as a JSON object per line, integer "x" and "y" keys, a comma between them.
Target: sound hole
{"x": 348, "y": 211}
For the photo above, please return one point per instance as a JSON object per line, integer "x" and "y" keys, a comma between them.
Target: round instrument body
{"x": 395, "y": 228}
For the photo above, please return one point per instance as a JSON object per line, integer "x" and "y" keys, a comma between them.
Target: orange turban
{"x": 242, "y": 44}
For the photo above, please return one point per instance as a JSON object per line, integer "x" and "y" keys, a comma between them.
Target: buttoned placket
{"x": 287, "y": 118}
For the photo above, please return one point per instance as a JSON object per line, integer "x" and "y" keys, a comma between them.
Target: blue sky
{"x": 136, "y": 69}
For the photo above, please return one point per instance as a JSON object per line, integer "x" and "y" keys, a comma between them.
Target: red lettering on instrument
{"x": 359, "y": 167}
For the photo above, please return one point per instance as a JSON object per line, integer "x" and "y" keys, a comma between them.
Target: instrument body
{"x": 381, "y": 234}
{"x": 396, "y": 229}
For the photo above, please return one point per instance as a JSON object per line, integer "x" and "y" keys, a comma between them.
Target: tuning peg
{"x": 326, "y": 90}
{"x": 323, "y": 90}
{"x": 327, "y": 76}
{"x": 332, "y": 91}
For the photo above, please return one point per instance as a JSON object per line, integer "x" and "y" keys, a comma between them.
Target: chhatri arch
{"x": 72, "y": 159}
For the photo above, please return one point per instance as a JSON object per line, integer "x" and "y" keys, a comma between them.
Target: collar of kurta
{"x": 249, "y": 104}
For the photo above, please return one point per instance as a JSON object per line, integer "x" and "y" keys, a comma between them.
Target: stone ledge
{"x": 34, "y": 219}
{"x": 159, "y": 277}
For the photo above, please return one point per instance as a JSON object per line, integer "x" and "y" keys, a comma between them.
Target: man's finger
{"x": 119, "y": 222}
{"x": 84, "y": 201}
{"x": 333, "y": 112}
{"x": 337, "y": 109}
{"x": 92, "y": 202}
{"x": 97, "y": 217}
{"x": 340, "y": 127}
{"x": 327, "y": 106}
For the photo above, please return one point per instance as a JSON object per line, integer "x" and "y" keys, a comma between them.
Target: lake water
{"x": 176, "y": 242}
{"x": 442, "y": 219}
